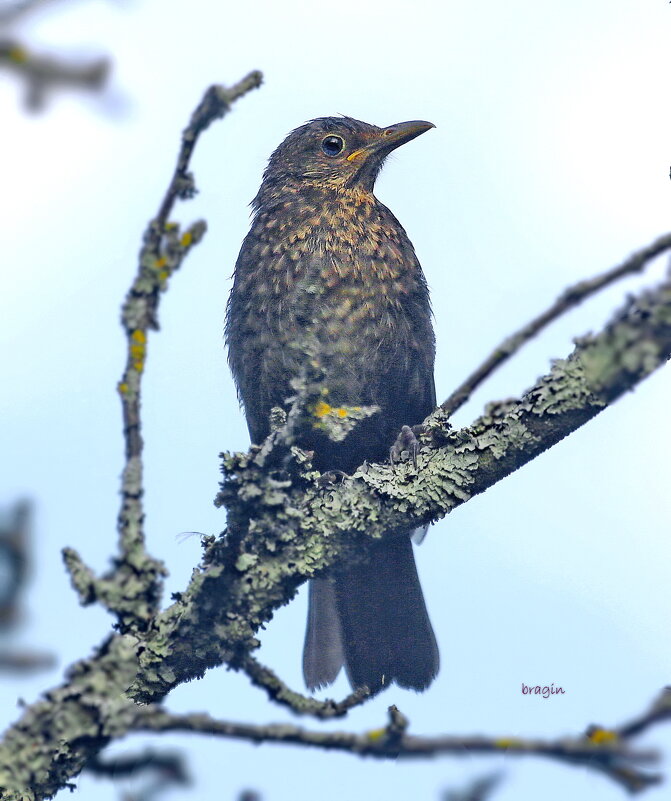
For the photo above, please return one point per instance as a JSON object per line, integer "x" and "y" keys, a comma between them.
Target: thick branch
{"x": 284, "y": 529}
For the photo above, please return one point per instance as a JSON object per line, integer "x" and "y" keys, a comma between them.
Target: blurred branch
{"x": 249, "y": 795}
{"x": 24, "y": 662}
{"x": 169, "y": 762}
{"x": 15, "y": 547}
{"x": 11, "y": 11}
{"x": 659, "y": 712}
{"x": 599, "y": 750}
{"x": 42, "y": 74}
{"x": 14, "y": 560}
{"x": 479, "y": 789}
{"x": 161, "y": 771}
{"x": 569, "y": 299}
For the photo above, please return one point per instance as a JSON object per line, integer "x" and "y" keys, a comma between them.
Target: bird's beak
{"x": 392, "y": 137}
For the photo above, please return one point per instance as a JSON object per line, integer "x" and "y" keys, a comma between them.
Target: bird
{"x": 325, "y": 259}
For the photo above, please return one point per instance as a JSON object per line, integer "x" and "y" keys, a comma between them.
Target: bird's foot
{"x": 406, "y": 442}
{"x": 331, "y": 477}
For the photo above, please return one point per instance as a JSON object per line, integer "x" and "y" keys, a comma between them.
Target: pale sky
{"x": 549, "y": 163}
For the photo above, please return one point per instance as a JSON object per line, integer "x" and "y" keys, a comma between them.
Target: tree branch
{"x": 569, "y": 299}
{"x": 169, "y": 764}
{"x": 58, "y": 735}
{"x": 132, "y": 590}
{"x": 284, "y": 526}
{"x": 600, "y": 749}
{"x": 277, "y": 691}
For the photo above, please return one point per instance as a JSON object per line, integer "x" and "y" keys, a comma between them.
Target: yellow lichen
{"x": 341, "y": 412}
{"x": 322, "y": 409}
{"x": 376, "y": 734}
{"x": 186, "y": 239}
{"x": 507, "y": 742}
{"x": 18, "y": 55}
{"x": 138, "y": 349}
{"x": 602, "y": 736}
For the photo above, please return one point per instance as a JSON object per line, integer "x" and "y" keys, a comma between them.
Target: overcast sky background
{"x": 549, "y": 164}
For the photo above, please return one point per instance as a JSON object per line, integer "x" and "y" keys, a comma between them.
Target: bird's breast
{"x": 341, "y": 274}
{"x": 351, "y": 247}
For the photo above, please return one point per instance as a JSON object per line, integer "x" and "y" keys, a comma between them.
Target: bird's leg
{"x": 330, "y": 477}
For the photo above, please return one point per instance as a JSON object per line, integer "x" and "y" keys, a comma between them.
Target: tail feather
{"x": 373, "y": 617}
{"x": 323, "y": 651}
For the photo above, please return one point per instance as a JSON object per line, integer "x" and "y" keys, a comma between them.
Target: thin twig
{"x": 569, "y": 299}
{"x": 132, "y": 589}
{"x": 278, "y": 691}
{"x": 162, "y": 253}
{"x": 611, "y": 756}
{"x": 216, "y": 103}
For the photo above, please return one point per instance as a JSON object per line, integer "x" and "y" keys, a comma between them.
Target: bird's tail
{"x": 373, "y": 617}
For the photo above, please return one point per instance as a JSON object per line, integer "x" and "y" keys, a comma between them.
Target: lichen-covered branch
{"x": 283, "y": 527}
{"x": 277, "y": 691}
{"x": 569, "y": 299}
{"x": 285, "y": 524}
{"x": 58, "y": 735}
{"x": 599, "y": 749}
{"x": 132, "y": 589}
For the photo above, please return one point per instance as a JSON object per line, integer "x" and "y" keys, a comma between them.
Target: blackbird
{"x": 325, "y": 259}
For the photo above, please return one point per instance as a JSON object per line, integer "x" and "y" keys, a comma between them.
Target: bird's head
{"x": 336, "y": 153}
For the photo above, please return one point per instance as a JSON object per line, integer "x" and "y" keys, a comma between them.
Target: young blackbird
{"x": 325, "y": 259}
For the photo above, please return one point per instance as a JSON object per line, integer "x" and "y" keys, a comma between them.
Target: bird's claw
{"x": 330, "y": 477}
{"x": 406, "y": 441}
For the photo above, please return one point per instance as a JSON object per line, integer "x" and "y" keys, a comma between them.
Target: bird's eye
{"x": 333, "y": 145}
